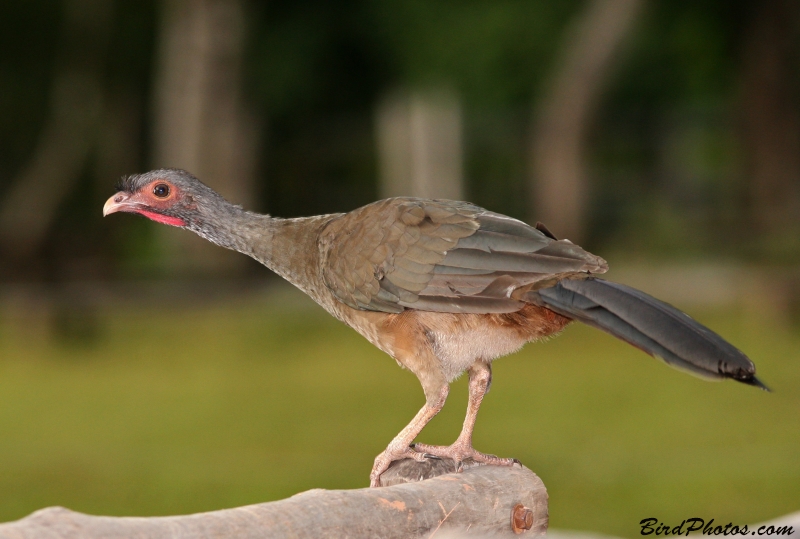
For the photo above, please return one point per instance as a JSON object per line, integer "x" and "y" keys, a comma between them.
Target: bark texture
{"x": 479, "y": 502}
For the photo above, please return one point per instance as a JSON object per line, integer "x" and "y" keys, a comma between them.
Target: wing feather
{"x": 440, "y": 255}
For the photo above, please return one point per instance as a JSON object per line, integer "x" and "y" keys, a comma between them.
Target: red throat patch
{"x": 163, "y": 219}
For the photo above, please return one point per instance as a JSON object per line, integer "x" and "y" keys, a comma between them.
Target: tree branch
{"x": 479, "y": 502}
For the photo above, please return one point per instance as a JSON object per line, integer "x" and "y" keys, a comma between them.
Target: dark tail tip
{"x": 753, "y": 381}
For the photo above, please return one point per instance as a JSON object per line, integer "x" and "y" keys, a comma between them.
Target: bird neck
{"x": 286, "y": 246}
{"x": 232, "y": 227}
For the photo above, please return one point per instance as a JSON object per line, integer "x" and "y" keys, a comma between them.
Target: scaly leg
{"x": 480, "y": 378}
{"x": 400, "y": 446}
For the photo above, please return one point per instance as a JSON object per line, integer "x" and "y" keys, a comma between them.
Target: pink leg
{"x": 480, "y": 378}
{"x": 400, "y": 447}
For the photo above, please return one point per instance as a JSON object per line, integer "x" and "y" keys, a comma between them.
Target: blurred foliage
{"x": 667, "y": 159}
{"x": 26, "y": 64}
{"x": 176, "y": 409}
{"x": 334, "y": 61}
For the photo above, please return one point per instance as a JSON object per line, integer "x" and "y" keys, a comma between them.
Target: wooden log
{"x": 481, "y": 501}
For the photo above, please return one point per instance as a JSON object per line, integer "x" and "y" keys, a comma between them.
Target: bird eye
{"x": 161, "y": 190}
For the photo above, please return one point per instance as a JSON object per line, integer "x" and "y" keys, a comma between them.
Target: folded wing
{"x": 443, "y": 256}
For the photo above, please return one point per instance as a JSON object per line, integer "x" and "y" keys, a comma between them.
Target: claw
{"x": 426, "y": 455}
{"x": 459, "y": 451}
{"x": 385, "y": 459}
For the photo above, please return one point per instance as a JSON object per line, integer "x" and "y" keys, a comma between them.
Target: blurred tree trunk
{"x": 770, "y": 113}
{"x": 70, "y": 131}
{"x": 119, "y": 137}
{"x": 419, "y": 145}
{"x": 200, "y": 121}
{"x": 559, "y": 186}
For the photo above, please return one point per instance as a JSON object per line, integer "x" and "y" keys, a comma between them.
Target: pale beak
{"x": 118, "y": 202}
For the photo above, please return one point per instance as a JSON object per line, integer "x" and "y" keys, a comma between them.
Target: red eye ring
{"x": 161, "y": 190}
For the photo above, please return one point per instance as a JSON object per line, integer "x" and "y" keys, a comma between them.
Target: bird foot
{"x": 459, "y": 452}
{"x": 390, "y": 455}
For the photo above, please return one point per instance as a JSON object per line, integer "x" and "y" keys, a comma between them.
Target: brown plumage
{"x": 442, "y": 286}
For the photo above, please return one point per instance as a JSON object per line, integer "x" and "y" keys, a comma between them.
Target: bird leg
{"x": 400, "y": 447}
{"x": 480, "y": 378}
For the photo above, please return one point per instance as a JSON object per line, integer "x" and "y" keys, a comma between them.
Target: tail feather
{"x": 650, "y": 325}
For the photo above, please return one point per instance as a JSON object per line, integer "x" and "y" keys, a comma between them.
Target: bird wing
{"x": 443, "y": 256}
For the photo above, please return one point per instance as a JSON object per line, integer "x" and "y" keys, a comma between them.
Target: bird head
{"x": 168, "y": 196}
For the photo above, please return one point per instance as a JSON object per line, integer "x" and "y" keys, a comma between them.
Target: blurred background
{"x": 143, "y": 371}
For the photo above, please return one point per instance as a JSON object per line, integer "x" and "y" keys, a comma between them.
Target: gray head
{"x": 174, "y": 197}
{"x": 171, "y": 197}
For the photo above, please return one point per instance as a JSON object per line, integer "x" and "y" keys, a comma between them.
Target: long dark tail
{"x": 649, "y": 324}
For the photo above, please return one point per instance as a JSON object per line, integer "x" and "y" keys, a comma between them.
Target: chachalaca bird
{"x": 441, "y": 286}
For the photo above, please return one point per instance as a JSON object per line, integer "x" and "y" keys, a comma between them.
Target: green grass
{"x": 195, "y": 409}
